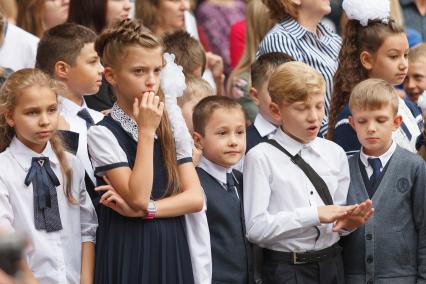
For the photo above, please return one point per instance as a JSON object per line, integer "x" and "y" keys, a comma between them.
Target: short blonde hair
{"x": 196, "y": 88}
{"x": 417, "y": 54}
{"x": 373, "y": 94}
{"x": 293, "y": 82}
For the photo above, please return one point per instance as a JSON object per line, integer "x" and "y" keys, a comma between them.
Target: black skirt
{"x": 133, "y": 250}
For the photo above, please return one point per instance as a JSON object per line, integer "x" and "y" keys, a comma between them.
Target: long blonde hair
{"x": 111, "y": 46}
{"x": 258, "y": 23}
{"x": 10, "y": 91}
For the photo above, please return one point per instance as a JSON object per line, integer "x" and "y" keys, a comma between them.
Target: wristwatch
{"x": 151, "y": 210}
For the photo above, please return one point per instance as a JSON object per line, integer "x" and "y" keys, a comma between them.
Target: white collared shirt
{"x": 263, "y": 126}
{"x": 280, "y": 202}
{"x": 53, "y": 257}
{"x": 216, "y": 171}
{"x": 69, "y": 111}
{"x": 384, "y": 159}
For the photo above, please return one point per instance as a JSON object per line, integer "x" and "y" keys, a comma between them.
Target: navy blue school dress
{"x": 133, "y": 250}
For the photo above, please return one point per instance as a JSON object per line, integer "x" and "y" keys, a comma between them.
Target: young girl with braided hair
{"x": 42, "y": 189}
{"x": 374, "y": 46}
{"x": 141, "y": 236}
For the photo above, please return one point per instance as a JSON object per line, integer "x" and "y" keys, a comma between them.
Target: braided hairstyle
{"x": 9, "y": 93}
{"x": 350, "y": 70}
{"x": 111, "y": 46}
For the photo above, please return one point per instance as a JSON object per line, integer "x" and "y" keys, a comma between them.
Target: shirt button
{"x": 369, "y": 237}
{"x": 312, "y": 192}
{"x": 369, "y": 259}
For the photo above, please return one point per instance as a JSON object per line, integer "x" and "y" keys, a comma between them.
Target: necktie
{"x": 84, "y": 114}
{"x": 406, "y": 131}
{"x": 376, "y": 164}
{"x": 230, "y": 184}
{"x": 44, "y": 180}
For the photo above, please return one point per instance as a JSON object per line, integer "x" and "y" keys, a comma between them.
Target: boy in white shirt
{"x": 261, "y": 71}
{"x": 66, "y": 52}
{"x": 293, "y": 202}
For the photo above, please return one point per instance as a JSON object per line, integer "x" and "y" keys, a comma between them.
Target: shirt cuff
{"x": 343, "y": 232}
{"x": 308, "y": 216}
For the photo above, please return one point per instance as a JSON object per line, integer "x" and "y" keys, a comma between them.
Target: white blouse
{"x": 69, "y": 111}
{"x": 53, "y": 257}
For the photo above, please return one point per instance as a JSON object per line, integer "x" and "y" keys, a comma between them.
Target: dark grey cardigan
{"x": 391, "y": 247}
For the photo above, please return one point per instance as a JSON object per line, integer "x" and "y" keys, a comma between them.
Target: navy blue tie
{"x": 230, "y": 184}
{"x": 44, "y": 180}
{"x": 376, "y": 164}
{"x": 406, "y": 131}
{"x": 84, "y": 114}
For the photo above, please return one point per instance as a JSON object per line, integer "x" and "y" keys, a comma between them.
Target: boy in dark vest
{"x": 391, "y": 247}
{"x": 219, "y": 131}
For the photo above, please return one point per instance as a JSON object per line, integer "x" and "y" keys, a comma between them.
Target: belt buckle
{"x": 295, "y": 261}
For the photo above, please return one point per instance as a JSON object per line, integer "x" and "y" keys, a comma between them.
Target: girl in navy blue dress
{"x": 143, "y": 239}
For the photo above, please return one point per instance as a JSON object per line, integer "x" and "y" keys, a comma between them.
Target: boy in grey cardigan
{"x": 391, "y": 247}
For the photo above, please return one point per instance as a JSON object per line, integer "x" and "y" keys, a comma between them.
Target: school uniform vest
{"x": 253, "y": 137}
{"x": 129, "y": 146}
{"x": 230, "y": 248}
{"x": 385, "y": 248}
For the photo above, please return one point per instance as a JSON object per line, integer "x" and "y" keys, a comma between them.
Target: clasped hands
{"x": 348, "y": 217}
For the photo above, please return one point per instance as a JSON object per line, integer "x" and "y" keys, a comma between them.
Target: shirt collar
{"x": 263, "y": 126}
{"x": 294, "y": 147}
{"x": 23, "y": 155}
{"x": 298, "y": 31}
{"x": 293, "y": 27}
{"x": 71, "y": 107}
{"x": 324, "y": 34}
{"x": 216, "y": 171}
{"x": 384, "y": 159}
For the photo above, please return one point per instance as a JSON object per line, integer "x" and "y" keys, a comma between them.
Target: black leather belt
{"x": 302, "y": 257}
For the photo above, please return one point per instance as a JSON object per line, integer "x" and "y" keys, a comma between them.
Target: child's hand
{"x": 114, "y": 201}
{"x": 356, "y": 218}
{"x": 215, "y": 64}
{"x": 331, "y": 213}
{"x": 148, "y": 112}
